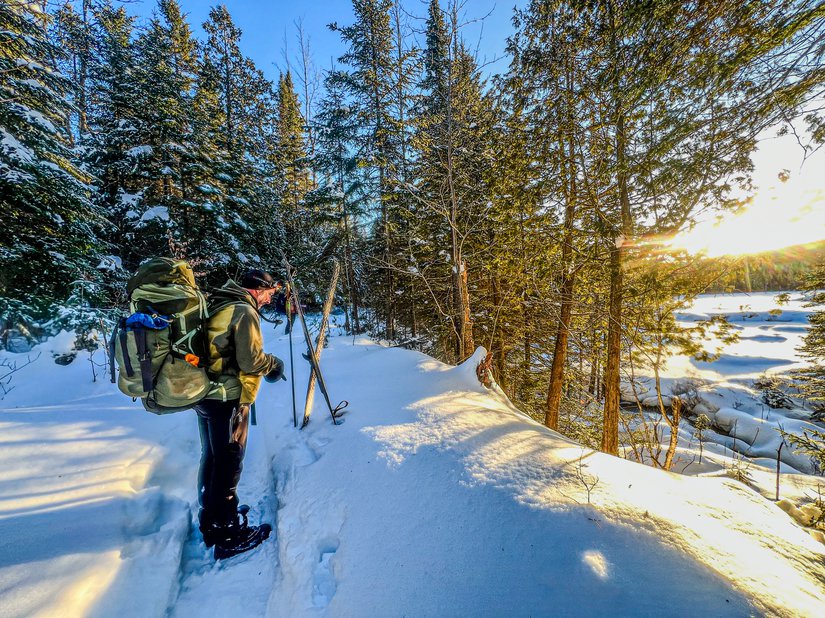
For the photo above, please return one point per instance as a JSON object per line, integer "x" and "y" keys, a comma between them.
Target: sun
{"x": 780, "y": 216}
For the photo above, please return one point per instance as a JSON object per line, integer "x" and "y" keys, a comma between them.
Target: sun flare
{"x": 778, "y": 217}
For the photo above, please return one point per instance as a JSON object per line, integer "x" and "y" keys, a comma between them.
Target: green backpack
{"x": 161, "y": 349}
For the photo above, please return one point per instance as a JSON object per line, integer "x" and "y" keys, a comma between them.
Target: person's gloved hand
{"x": 277, "y": 372}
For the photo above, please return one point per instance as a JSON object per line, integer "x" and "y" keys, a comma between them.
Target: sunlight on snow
{"x": 597, "y": 562}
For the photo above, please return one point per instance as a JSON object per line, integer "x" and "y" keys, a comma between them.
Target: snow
{"x": 31, "y": 83}
{"x": 129, "y": 199}
{"x": 110, "y": 262}
{"x": 11, "y": 147}
{"x": 744, "y": 438}
{"x": 32, "y": 116}
{"x": 22, "y": 62}
{"x": 139, "y": 151}
{"x": 435, "y": 497}
{"x": 207, "y": 189}
{"x": 155, "y": 213}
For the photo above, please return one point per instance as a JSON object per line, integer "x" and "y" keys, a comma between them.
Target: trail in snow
{"x": 245, "y": 590}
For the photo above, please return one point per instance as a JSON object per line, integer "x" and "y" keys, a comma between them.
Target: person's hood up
{"x": 230, "y": 292}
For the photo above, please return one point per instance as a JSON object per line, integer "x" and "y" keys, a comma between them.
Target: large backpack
{"x": 161, "y": 349}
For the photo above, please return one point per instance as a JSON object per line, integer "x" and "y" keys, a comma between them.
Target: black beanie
{"x": 257, "y": 280}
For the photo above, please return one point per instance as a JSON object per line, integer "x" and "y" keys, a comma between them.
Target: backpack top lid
{"x": 164, "y": 271}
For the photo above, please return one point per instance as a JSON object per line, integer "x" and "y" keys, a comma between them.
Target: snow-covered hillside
{"x": 435, "y": 497}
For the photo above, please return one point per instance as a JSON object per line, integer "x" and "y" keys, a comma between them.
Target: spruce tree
{"x": 236, "y": 115}
{"x": 50, "y": 226}
{"x": 453, "y": 122}
{"x": 342, "y": 195}
{"x": 369, "y": 83}
{"x": 291, "y": 148}
{"x": 113, "y": 149}
{"x": 166, "y": 59}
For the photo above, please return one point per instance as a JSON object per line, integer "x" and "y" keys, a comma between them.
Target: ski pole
{"x": 291, "y": 359}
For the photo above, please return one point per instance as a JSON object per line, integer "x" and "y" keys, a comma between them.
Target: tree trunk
{"x": 467, "y": 343}
{"x": 497, "y": 343}
{"x": 349, "y": 275}
{"x": 551, "y": 415}
{"x": 748, "y": 286}
{"x": 673, "y": 422}
{"x": 82, "y": 104}
{"x": 610, "y": 435}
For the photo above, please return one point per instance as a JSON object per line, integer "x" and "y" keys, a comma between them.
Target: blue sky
{"x": 265, "y": 25}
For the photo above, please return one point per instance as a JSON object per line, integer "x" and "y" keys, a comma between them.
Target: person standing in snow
{"x": 237, "y": 363}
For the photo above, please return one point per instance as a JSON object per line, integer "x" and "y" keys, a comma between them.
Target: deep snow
{"x": 435, "y": 497}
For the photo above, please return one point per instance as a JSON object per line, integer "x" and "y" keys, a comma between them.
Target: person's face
{"x": 265, "y": 296}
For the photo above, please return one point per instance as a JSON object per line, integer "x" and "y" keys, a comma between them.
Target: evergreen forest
{"x": 518, "y": 211}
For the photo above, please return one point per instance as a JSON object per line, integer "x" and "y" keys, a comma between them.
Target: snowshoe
{"x": 242, "y": 539}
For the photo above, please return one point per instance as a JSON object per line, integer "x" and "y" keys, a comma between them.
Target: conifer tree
{"x": 236, "y": 114}
{"x": 291, "y": 149}
{"x": 50, "y": 227}
{"x": 342, "y": 194}
{"x": 452, "y": 122}
{"x": 813, "y": 346}
{"x": 307, "y": 222}
{"x": 369, "y": 83}
{"x": 663, "y": 128}
{"x": 74, "y": 33}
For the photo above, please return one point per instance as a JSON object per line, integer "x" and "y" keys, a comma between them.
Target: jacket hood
{"x": 230, "y": 292}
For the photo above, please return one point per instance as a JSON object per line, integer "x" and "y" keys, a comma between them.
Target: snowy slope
{"x": 436, "y": 497}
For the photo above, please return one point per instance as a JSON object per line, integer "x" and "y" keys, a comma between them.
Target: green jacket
{"x": 237, "y": 360}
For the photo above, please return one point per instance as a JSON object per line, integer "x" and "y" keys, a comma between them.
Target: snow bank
{"x": 437, "y": 497}
{"x": 91, "y": 512}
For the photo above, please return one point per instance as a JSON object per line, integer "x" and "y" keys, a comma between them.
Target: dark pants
{"x": 223, "y": 443}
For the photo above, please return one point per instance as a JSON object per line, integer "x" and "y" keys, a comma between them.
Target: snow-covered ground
{"x": 435, "y": 497}
{"x": 744, "y": 436}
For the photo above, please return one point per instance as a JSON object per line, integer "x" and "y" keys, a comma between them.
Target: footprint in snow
{"x": 324, "y": 584}
{"x": 303, "y": 455}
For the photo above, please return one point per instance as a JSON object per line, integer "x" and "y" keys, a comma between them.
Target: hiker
{"x": 237, "y": 363}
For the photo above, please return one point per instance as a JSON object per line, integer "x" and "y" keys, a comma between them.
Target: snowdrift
{"x": 435, "y": 497}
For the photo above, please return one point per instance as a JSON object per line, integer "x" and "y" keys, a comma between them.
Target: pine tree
{"x": 236, "y": 116}
{"x": 453, "y": 120}
{"x": 369, "y": 83}
{"x": 813, "y": 346}
{"x": 50, "y": 227}
{"x": 166, "y": 59}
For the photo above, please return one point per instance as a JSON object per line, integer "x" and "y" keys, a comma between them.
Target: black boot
{"x": 207, "y": 528}
{"x": 237, "y": 537}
